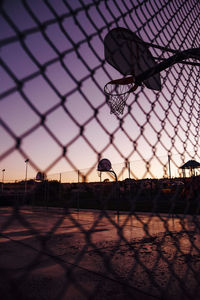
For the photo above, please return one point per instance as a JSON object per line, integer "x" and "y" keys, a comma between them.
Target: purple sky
{"x": 56, "y": 62}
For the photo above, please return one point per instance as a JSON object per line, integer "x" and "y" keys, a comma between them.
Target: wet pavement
{"x": 57, "y": 254}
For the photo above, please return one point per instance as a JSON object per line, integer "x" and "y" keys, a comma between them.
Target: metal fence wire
{"x": 137, "y": 238}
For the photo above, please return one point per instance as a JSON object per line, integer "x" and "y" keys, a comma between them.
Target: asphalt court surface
{"x": 50, "y": 253}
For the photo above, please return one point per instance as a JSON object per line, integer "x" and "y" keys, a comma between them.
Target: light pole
{"x": 129, "y": 170}
{"x": 169, "y": 159}
{"x": 3, "y": 171}
{"x": 26, "y": 161}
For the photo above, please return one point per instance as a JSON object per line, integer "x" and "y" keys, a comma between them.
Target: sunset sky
{"x": 52, "y": 74}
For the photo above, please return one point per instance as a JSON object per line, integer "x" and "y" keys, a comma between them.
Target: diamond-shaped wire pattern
{"x": 80, "y": 234}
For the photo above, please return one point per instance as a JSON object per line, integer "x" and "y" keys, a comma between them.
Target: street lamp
{"x": 3, "y": 171}
{"x": 26, "y": 161}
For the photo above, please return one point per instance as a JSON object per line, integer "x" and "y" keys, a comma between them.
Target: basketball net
{"x": 117, "y": 103}
{"x": 117, "y": 92}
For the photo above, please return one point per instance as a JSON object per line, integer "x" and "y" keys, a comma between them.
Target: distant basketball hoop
{"x": 40, "y": 176}
{"x": 105, "y": 165}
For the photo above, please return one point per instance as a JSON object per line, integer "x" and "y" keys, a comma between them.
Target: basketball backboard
{"x": 128, "y": 54}
{"x": 104, "y": 165}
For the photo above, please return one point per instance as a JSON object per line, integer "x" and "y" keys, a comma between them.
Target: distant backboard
{"x": 104, "y": 165}
{"x": 40, "y": 176}
{"x": 127, "y": 53}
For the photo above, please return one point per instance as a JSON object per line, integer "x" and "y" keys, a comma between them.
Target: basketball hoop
{"x": 104, "y": 165}
{"x": 129, "y": 55}
{"x": 117, "y": 92}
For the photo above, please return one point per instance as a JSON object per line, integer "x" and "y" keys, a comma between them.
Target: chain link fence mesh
{"x": 81, "y": 235}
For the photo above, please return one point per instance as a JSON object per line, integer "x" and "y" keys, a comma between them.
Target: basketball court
{"x": 77, "y": 254}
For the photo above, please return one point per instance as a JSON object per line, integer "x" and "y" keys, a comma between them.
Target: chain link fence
{"x": 81, "y": 235}
{"x": 164, "y": 167}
